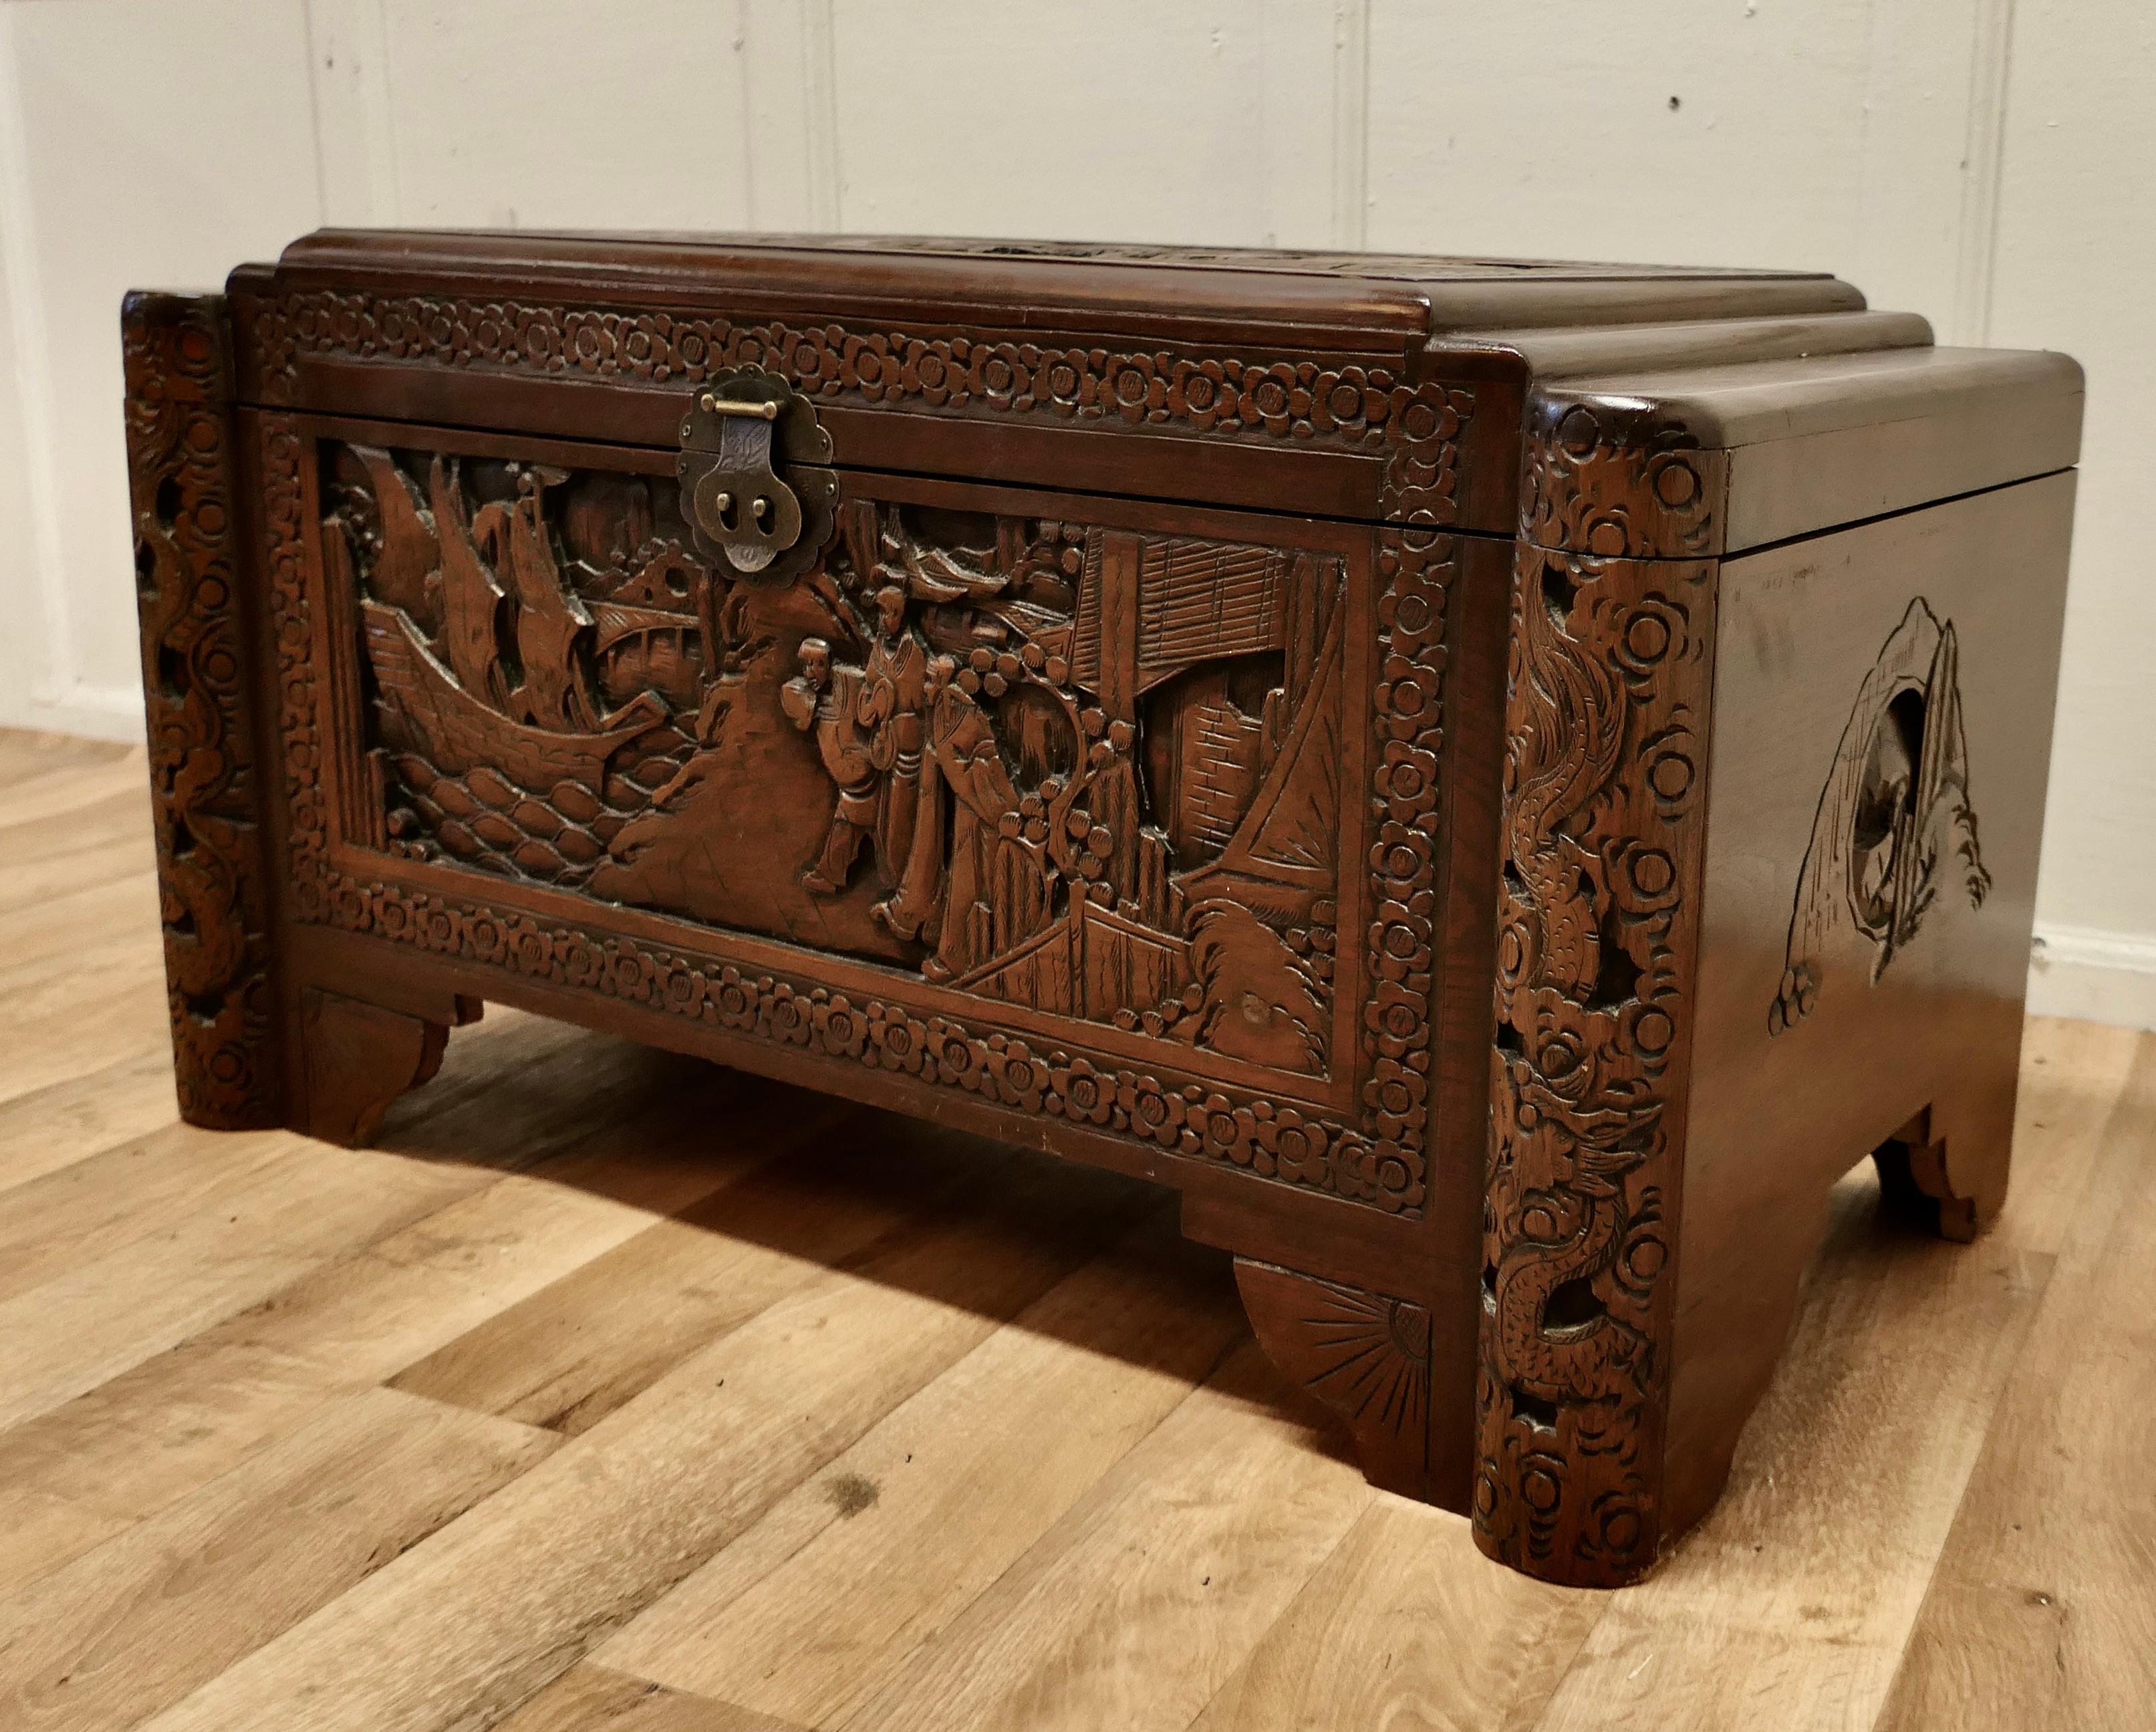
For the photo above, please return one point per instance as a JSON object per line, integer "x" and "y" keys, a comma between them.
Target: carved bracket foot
{"x": 1365, "y": 1356}
{"x": 1928, "y": 1178}
{"x": 359, "y": 1058}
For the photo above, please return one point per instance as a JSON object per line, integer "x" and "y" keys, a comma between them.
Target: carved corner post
{"x": 253, "y": 1047}
{"x": 1609, "y": 685}
{"x": 206, "y": 789}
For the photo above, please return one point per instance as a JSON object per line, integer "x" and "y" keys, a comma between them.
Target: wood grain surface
{"x": 611, "y": 1390}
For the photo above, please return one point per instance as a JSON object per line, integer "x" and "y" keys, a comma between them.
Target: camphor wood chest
{"x": 1498, "y": 781}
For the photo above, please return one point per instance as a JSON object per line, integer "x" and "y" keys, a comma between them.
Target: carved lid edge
{"x": 1707, "y": 461}
{"x": 1364, "y": 302}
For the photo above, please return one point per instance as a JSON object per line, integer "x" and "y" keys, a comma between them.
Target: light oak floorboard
{"x": 1408, "y": 1628}
{"x": 108, "y": 1201}
{"x": 2042, "y": 1612}
{"x": 134, "y": 1625}
{"x": 70, "y": 1334}
{"x": 553, "y": 1562}
{"x": 109, "y": 838}
{"x": 855, "y": 1423}
{"x": 40, "y": 1531}
{"x": 63, "y": 1123}
{"x": 113, "y": 1011}
{"x": 587, "y": 1697}
{"x": 26, "y": 752}
{"x": 139, "y": 1440}
{"x": 807, "y": 1615}
{"x": 1791, "y": 1603}
{"x": 65, "y": 792}
{"x": 38, "y": 938}
{"x": 514, "y": 1090}
{"x": 570, "y": 1354}
{"x": 94, "y": 963}
{"x": 1135, "y": 1607}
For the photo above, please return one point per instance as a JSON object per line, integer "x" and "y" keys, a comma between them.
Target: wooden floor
{"x": 615, "y": 1390}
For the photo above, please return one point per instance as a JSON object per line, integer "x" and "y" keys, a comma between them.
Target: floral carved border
{"x": 1610, "y": 670}
{"x": 1381, "y": 1163}
{"x": 1617, "y": 480}
{"x": 1415, "y": 570}
{"x": 204, "y": 798}
{"x": 1414, "y": 427}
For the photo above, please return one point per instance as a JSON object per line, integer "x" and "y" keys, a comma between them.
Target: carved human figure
{"x": 826, "y": 698}
{"x": 964, "y": 757}
{"x": 894, "y": 699}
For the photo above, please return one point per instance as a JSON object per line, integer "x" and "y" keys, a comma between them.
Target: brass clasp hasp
{"x": 756, "y": 487}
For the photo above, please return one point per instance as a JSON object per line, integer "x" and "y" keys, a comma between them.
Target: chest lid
{"x": 1357, "y": 386}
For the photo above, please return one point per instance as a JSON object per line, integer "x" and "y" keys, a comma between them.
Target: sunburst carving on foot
{"x": 1364, "y": 1355}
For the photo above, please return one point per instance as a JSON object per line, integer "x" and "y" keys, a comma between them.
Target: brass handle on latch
{"x": 762, "y": 411}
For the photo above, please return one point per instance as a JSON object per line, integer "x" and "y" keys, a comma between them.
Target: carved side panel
{"x": 1610, "y": 683}
{"x": 204, "y": 799}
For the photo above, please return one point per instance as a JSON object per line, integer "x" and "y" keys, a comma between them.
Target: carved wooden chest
{"x": 1499, "y": 781}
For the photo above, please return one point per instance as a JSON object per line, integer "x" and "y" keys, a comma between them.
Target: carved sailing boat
{"x": 534, "y": 717}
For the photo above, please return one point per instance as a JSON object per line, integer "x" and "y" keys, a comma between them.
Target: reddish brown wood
{"x": 1040, "y": 884}
{"x": 1891, "y": 755}
{"x": 1363, "y": 1356}
{"x": 1133, "y": 704}
{"x": 1612, "y": 661}
{"x": 359, "y": 1058}
{"x": 199, "y": 695}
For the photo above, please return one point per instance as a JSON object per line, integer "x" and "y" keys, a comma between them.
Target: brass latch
{"x": 754, "y": 488}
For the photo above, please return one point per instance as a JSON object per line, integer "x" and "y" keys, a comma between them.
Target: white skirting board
{"x": 97, "y": 712}
{"x": 2096, "y": 975}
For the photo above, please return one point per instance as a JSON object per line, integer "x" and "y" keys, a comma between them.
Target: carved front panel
{"x": 1093, "y": 817}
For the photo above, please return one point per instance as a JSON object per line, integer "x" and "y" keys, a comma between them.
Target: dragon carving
{"x": 1592, "y": 975}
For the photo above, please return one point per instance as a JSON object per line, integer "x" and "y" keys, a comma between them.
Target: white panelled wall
{"x": 1981, "y": 162}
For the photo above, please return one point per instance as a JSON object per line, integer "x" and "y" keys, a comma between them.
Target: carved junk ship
{"x": 456, "y": 732}
{"x": 530, "y": 712}
{"x": 522, "y": 721}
